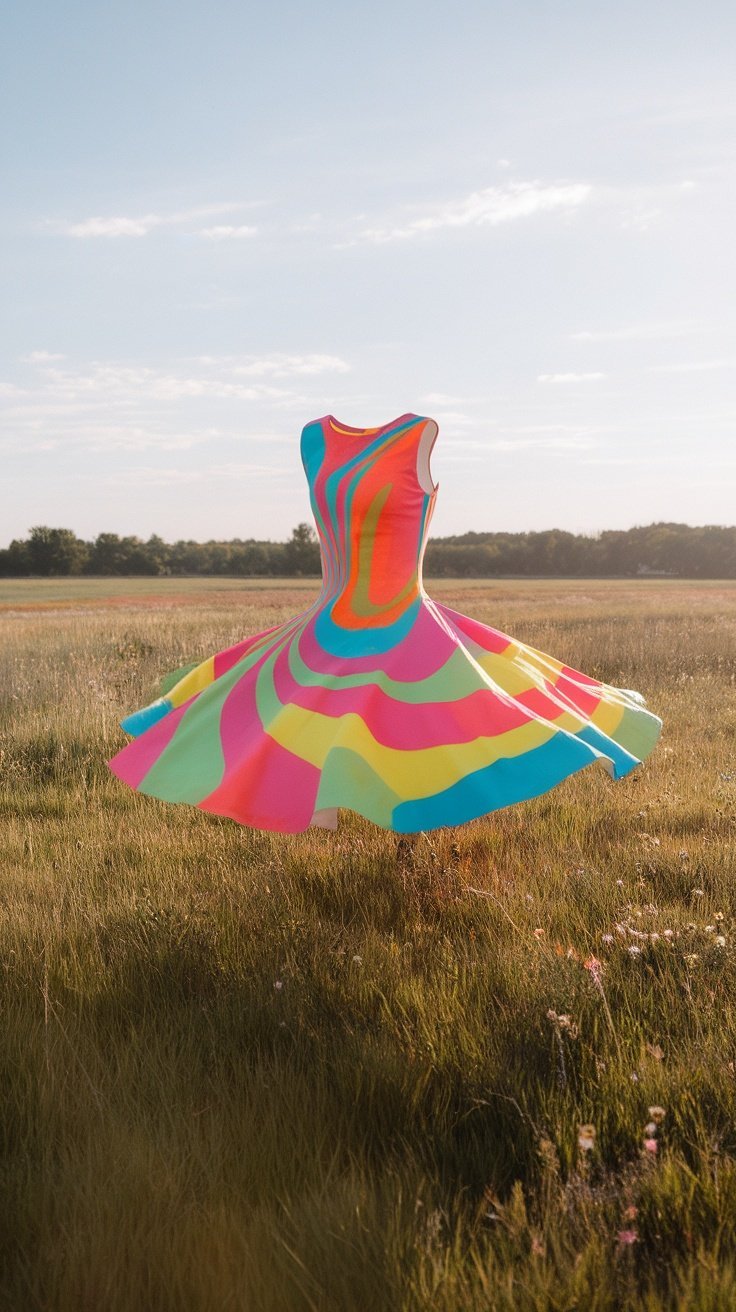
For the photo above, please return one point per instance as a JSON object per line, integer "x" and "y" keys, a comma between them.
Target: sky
{"x": 223, "y": 220}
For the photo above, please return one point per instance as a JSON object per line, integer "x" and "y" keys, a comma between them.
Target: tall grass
{"x": 348, "y": 1071}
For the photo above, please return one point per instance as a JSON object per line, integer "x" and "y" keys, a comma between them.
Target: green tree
{"x": 302, "y": 551}
{"x": 56, "y": 551}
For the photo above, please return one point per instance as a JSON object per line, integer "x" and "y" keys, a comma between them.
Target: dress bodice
{"x": 372, "y": 508}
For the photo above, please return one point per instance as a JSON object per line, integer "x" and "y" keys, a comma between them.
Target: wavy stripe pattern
{"x": 376, "y": 697}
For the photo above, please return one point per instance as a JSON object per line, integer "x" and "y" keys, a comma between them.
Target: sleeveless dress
{"x": 375, "y": 697}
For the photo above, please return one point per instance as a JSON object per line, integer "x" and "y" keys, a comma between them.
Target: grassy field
{"x": 489, "y": 1068}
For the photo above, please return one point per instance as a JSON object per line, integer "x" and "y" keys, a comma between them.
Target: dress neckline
{"x": 347, "y": 429}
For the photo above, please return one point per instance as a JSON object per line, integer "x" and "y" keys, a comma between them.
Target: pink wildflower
{"x": 627, "y": 1236}
{"x": 595, "y": 967}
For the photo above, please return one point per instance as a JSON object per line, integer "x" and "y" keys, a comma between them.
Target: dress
{"x": 376, "y": 697}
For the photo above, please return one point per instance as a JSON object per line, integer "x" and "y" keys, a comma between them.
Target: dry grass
{"x": 278, "y": 1073}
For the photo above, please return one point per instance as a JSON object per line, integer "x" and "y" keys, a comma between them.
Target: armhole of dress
{"x": 424, "y": 451}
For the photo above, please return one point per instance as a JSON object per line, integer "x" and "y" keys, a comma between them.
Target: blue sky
{"x": 223, "y": 220}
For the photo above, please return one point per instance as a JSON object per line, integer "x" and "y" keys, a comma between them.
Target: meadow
{"x": 488, "y": 1068}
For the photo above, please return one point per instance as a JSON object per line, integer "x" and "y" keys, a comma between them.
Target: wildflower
{"x": 607, "y": 938}
{"x": 595, "y": 967}
{"x": 278, "y": 984}
{"x": 538, "y": 933}
{"x": 718, "y": 917}
{"x": 586, "y": 1138}
{"x": 720, "y": 941}
{"x": 635, "y": 1077}
{"x": 710, "y": 929}
{"x": 537, "y": 1246}
{"x": 564, "y": 1021}
{"x": 657, "y": 1114}
{"x": 698, "y": 892}
{"x": 654, "y": 937}
{"x": 650, "y": 1146}
{"x": 358, "y": 960}
{"x": 627, "y": 1236}
{"x": 631, "y": 1213}
{"x": 650, "y": 1130}
{"x": 548, "y": 1154}
{"x": 668, "y": 933}
{"x": 691, "y": 958}
{"x": 619, "y": 883}
{"x": 634, "y": 951}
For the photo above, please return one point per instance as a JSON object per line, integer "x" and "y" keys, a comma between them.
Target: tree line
{"x": 679, "y": 550}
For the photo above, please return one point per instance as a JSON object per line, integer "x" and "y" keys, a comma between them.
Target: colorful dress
{"x": 376, "y": 697}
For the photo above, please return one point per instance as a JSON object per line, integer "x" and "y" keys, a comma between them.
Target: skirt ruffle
{"x": 455, "y": 721}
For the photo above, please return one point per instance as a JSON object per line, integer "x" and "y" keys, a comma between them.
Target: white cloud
{"x": 240, "y": 377}
{"x": 225, "y": 232}
{"x": 569, "y": 378}
{"x": 41, "y": 357}
{"x": 118, "y": 382}
{"x": 633, "y": 206}
{"x": 111, "y": 405}
{"x": 488, "y": 207}
{"x": 114, "y": 227}
{"x": 281, "y": 365}
{"x": 125, "y": 226}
